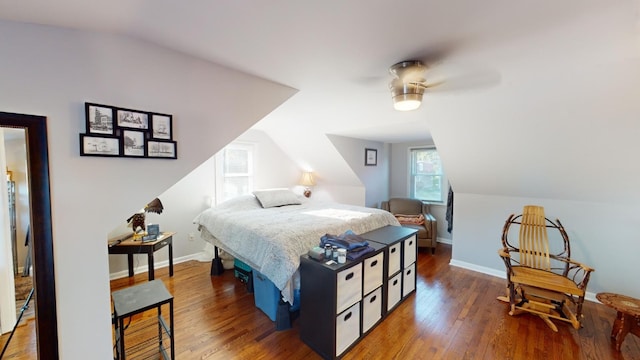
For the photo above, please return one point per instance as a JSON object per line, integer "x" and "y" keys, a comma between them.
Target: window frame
{"x": 412, "y": 175}
{"x": 221, "y": 175}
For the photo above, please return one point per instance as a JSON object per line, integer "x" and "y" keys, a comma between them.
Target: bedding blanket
{"x": 271, "y": 240}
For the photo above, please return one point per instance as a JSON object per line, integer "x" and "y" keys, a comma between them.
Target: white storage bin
{"x": 394, "y": 258}
{"x": 347, "y": 328}
{"x": 373, "y": 273}
{"x": 394, "y": 292}
{"x": 409, "y": 251}
{"x": 371, "y": 309}
{"x": 409, "y": 279}
{"x": 349, "y": 287}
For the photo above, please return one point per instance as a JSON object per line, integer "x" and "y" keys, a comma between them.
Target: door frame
{"x": 41, "y": 228}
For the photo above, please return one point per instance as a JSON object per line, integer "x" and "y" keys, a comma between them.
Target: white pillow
{"x": 276, "y": 197}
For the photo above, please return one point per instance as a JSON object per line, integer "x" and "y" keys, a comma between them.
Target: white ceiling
{"x": 336, "y": 53}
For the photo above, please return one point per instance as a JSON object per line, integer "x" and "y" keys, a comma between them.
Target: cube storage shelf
{"x": 340, "y": 303}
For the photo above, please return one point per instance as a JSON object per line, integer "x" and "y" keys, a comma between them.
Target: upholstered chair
{"x": 411, "y": 209}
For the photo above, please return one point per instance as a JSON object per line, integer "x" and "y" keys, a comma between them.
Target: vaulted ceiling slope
{"x": 553, "y": 115}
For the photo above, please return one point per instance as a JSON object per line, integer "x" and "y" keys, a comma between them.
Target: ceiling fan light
{"x": 407, "y": 102}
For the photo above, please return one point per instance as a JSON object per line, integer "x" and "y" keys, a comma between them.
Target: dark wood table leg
{"x": 130, "y": 264}
{"x": 621, "y": 326}
{"x": 150, "y": 262}
{"x": 170, "y": 257}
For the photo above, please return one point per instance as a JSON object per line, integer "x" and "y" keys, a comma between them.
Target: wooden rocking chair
{"x": 542, "y": 279}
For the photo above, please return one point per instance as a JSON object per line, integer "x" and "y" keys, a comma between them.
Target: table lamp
{"x": 307, "y": 181}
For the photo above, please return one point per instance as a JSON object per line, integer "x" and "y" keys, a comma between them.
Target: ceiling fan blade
{"x": 471, "y": 78}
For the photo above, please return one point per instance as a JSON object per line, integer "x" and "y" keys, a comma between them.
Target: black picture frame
{"x": 133, "y": 143}
{"x": 161, "y": 126}
{"x": 132, "y": 119}
{"x": 162, "y": 149}
{"x": 120, "y": 132}
{"x": 370, "y": 157}
{"x": 99, "y": 119}
{"x": 97, "y": 145}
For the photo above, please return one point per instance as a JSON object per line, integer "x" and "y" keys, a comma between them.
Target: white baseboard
{"x": 444, "y": 240}
{"x": 157, "y": 265}
{"x": 501, "y": 274}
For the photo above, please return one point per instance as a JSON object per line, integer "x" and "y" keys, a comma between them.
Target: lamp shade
{"x": 307, "y": 179}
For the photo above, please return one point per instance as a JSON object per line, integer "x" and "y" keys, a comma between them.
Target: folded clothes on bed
{"x": 347, "y": 240}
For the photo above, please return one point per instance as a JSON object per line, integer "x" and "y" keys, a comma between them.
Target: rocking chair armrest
{"x": 585, "y": 268}
{"x": 504, "y": 253}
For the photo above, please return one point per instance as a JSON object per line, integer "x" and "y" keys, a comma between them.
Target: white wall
{"x": 374, "y": 178}
{"x": 52, "y": 72}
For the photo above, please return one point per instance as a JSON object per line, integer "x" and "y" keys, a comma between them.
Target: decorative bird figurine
{"x": 137, "y": 220}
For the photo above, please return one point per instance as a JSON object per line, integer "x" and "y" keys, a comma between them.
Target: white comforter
{"x": 272, "y": 240}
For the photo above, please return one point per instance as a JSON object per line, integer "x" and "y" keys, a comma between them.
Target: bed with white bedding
{"x": 271, "y": 231}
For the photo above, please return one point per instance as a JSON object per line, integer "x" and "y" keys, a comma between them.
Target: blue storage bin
{"x": 265, "y": 294}
{"x": 242, "y": 271}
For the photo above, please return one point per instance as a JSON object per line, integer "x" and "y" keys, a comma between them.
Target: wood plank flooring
{"x": 454, "y": 314}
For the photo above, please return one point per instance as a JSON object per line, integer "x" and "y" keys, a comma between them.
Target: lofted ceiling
{"x": 336, "y": 53}
{"x": 539, "y": 99}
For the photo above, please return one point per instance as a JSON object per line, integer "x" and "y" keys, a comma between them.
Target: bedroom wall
{"x": 52, "y": 72}
{"x": 273, "y": 169}
{"x": 375, "y": 179}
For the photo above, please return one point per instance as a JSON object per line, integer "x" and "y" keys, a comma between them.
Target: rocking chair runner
{"x": 541, "y": 280}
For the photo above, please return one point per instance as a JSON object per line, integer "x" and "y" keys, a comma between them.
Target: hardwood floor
{"x": 454, "y": 314}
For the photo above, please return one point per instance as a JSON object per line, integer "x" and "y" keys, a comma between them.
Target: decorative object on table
{"x": 370, "y": 157}
{"x": 119, "y": 132}
{"x": 307, "y": 181}
{"x": 137, "y": 220}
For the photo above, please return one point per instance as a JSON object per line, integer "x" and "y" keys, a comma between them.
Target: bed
{"x": 269, "y": 231}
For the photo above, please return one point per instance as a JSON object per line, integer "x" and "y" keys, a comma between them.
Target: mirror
{"x": 41, "y": 228}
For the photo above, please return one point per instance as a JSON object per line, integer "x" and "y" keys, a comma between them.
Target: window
{"x": 426, "y": 174}
{"x": 234, "y": 171}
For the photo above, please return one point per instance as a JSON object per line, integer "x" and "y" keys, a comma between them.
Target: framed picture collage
{"x": 120, "y": 132}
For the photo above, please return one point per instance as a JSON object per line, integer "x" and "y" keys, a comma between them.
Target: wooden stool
{"x": 628, "y": 317}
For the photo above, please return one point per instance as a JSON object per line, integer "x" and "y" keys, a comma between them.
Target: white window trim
{"x": 219, "y": 165}
{"x": 445, "y": 182}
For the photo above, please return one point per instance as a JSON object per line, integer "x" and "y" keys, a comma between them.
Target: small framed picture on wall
{"x": 370, "y": 157}
{"x": 161, "y": 126}
{"x": 162, "y": 149}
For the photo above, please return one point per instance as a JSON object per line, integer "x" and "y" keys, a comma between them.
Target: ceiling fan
{"x": 409, "y": 82}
